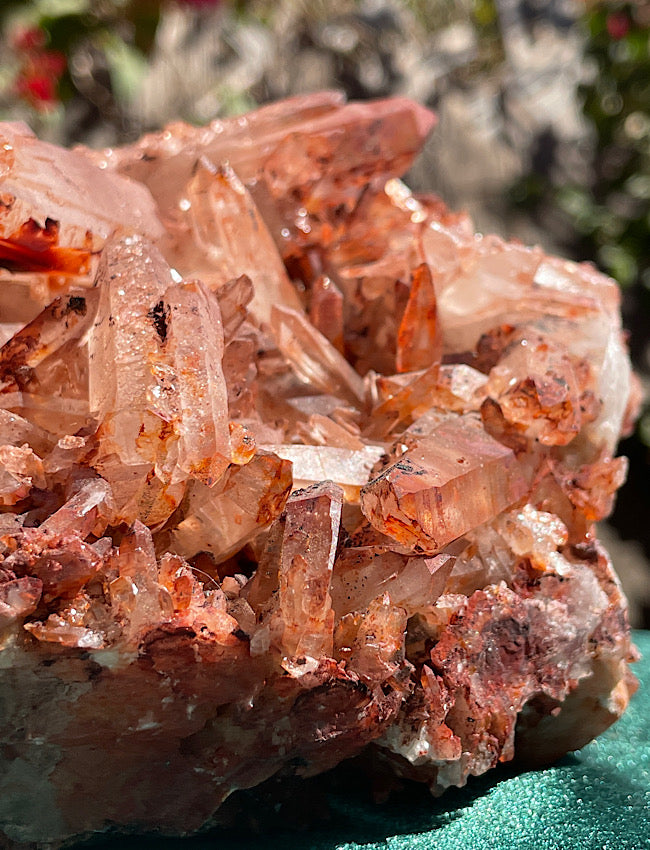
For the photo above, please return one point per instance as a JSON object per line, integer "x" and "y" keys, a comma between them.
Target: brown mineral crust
{"x": 500, "y": 644}
{"x": 232, "y": 746}
{"x": 500, "y": 653}
{"x": 598, "y": 697}
{"x": 147, "y": 723}
{"x": 314, "y": 468}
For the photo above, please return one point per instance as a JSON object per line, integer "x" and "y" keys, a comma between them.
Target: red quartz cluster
{"x": 292, "y": 462}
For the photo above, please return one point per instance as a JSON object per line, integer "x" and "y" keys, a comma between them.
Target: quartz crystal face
{"x": 293, "y": 464}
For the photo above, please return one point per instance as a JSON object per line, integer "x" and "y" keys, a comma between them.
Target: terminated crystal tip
{"x": 291, "y": 462}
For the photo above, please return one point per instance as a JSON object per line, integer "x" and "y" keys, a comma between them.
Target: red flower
{"x": 28, "y": 39}
{"x": 40, "y": 69}
{"x": 51, "y": 62}
{"x": 618, "y": 25}
{"x": 40, "y": 90}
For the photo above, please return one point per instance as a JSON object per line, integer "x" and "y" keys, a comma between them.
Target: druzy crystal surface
{"x": 293, "y": 464}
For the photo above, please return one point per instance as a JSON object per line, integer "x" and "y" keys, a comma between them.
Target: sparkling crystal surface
{"x": 292, "y": 463}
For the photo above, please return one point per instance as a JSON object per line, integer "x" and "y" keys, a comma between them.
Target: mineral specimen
{"x": 292, "y": 464}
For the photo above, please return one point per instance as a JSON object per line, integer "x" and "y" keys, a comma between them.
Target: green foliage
{"x": 89, "y": 37}
{"x": 608, "y": 217}
{"x": 617, "y": 102}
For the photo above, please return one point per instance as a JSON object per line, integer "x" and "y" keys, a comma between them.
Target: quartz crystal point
{"x": 44, "y": 366}
{"x": 446, "y": 483}
{"x": 161, "y": 404}
{"x": 317, "y": 153}
{"x": 313, "y": 357}
{"x": 223, "y": 223}
{"x": 419, "y": 342}
{"x": 193, "y": 390}
{"x": 223, "y": 519}
{"x": 311, "y": 532}
{"x": 56, "y": 213}
{"x": 293, "y": 464}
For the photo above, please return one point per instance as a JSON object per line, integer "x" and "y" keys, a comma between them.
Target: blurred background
{"x": 543, "y": 134}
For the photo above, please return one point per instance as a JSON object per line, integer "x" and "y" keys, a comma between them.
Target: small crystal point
{"x": 229, "y": 232}
{"x": 313, "y": 357}
{"x": 311, "y": 531}
{"x": 193, "y": 351}
{"x": 91, "y": 504}
{"x": 19, "y": 597}
{"x": 419, "y": 340}
{"x": 447, "y": 483}
{"x": 223, "y": 519}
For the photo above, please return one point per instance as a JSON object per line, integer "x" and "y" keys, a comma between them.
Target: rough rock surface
{"x": 293, "y": 464}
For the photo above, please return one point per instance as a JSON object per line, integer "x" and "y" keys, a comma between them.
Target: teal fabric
{"x": 595, "y": 799}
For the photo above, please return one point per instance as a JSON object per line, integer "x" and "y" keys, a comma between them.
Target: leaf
{"x": 126, "y": 64}
{"x": 62, "y": 8}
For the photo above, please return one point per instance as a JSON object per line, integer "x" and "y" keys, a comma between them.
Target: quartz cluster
{"x": 293, "y": 463}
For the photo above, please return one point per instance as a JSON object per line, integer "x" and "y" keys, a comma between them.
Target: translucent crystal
{"x": 363, "y": 574}
{"x": 134, "y": 593}
{"x": 348, "y": 468}
{"x": 20, "y": 470}
{"x": 313, "y": 357}
{"x": 88, "y": 509}
{"x": 444, "y": 485}
{"x": 230, "y": 238}
{"x": 56, "y": 212}
{"x": 46, "y": 182}
{"x": 537, "y": 390}
{"x": 377, "y": 650}
{"x": 419, "y": 341}
{"x": 62, "y": 563}
{"x": 309, "y": 542}
{"x": 326, "y": 311}
{"x": 18, "y": 597}
{"x": 313, "y": 152}
{"x": 223, "y": 519}
{"x": 191, "y": 392}
{"x": 44, "y": 366}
